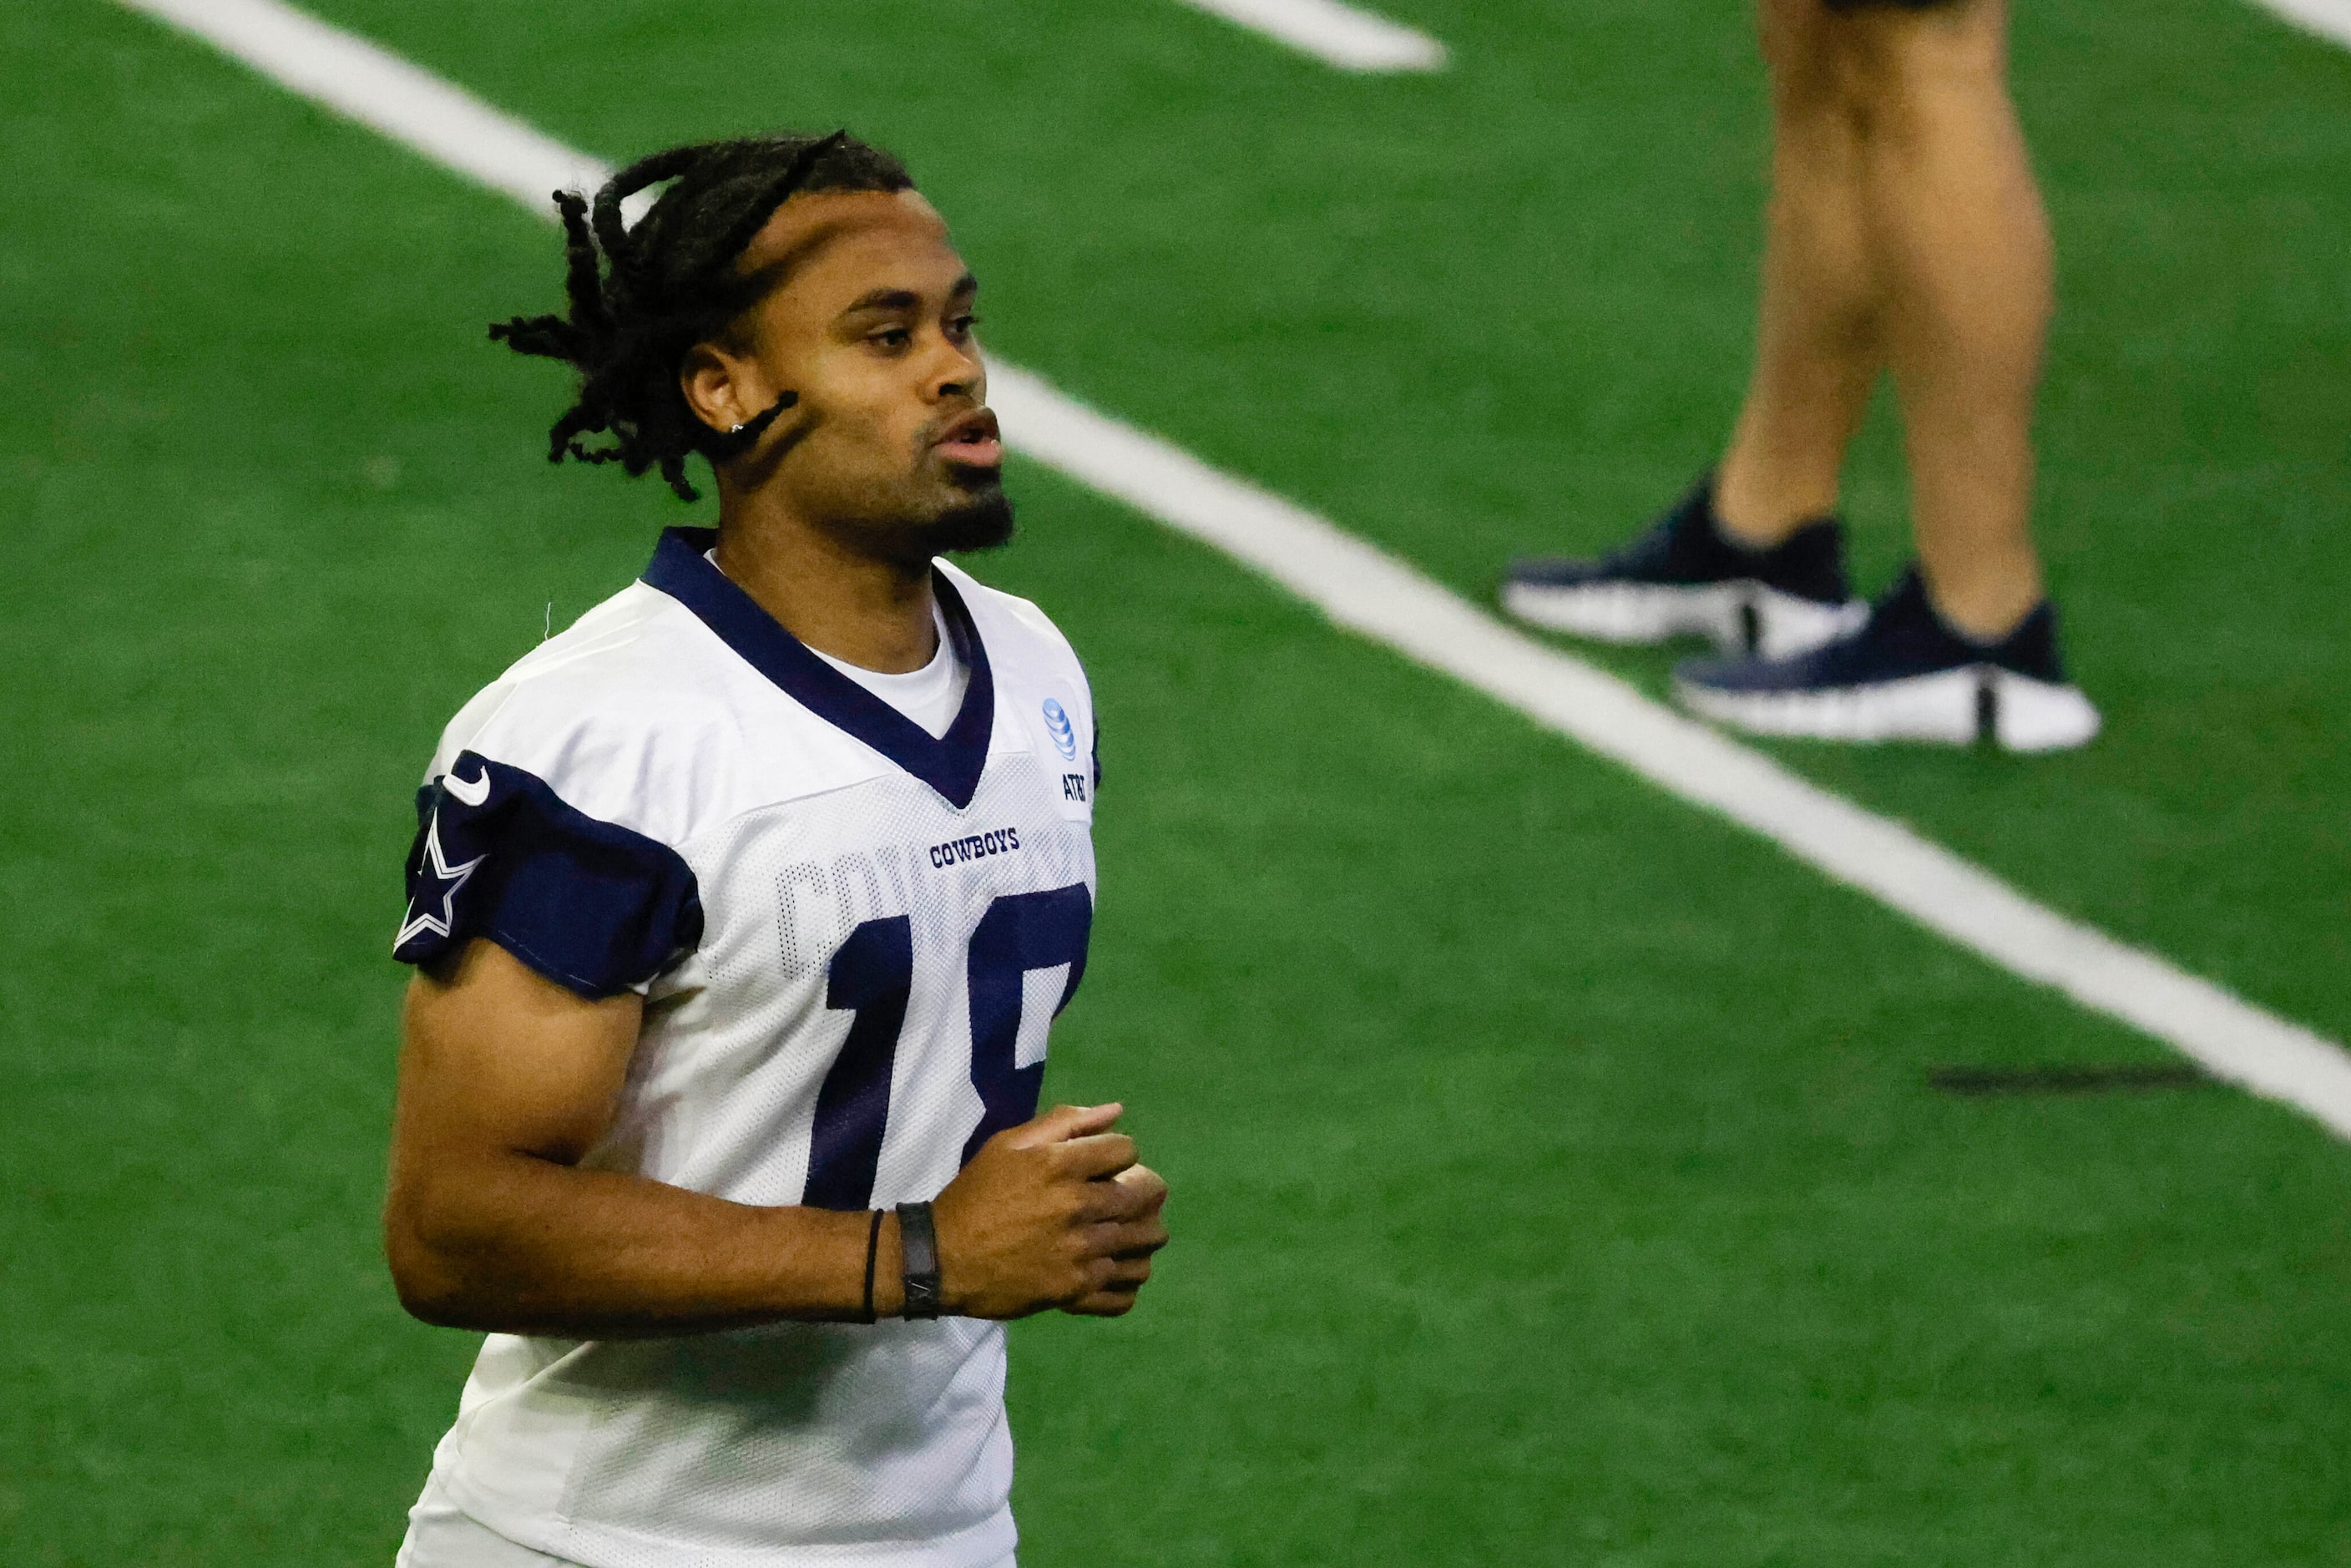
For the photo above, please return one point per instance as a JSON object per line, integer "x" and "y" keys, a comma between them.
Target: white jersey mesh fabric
{"x": 883, "y": 1444}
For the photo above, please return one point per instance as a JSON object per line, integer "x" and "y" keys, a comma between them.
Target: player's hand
{"x": 1053, "y": 1213}
{"x": 1141, "y": 1233}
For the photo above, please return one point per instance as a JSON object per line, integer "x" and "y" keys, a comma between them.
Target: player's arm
{"x": 508, "y": 1080}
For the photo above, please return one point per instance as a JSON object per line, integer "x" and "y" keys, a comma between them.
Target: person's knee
{"x": 1898, "y": 67}
{"x": 1801, "y": 50}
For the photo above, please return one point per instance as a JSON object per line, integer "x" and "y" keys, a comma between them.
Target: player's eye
{"x": 960, "y": 327}
{"x": 892, "y": 338}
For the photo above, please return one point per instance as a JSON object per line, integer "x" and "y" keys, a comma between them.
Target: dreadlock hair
{"x": 641, "y": 297}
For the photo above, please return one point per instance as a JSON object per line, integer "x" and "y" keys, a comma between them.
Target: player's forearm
{"x": 522, "y": 1245}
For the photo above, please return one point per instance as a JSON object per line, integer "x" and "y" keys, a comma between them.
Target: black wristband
{"x": 873, "y": 1250}
{"x": 918, "y": 1242}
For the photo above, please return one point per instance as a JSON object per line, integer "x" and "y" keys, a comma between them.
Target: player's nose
{"x": 959, "y": 373}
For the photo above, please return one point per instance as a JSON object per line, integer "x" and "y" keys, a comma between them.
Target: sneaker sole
{"x": 1950, "y": 707}
{"x": 1741, "y": 617}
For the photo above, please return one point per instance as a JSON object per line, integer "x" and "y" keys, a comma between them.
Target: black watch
{"x": 918, "y": 1240}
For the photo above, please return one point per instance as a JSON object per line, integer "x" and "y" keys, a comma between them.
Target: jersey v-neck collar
{"x": 950, "y": 764}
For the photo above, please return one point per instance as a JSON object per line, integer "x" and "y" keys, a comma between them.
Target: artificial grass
{"x": 1555, "y": 1176}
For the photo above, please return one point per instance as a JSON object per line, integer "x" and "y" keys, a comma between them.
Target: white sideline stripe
{"x": 1369, "y": 591}
{"x": 386, "y": 93}
{"x": 1339, "y": 34}
{"x": 2327, "y": 18}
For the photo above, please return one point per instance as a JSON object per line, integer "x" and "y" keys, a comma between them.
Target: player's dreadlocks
{"x": 642, "y": 297}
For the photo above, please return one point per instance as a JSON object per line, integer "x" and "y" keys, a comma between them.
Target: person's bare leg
{"x": 1818, "y": 347}
{"x": 1962, "y": 243}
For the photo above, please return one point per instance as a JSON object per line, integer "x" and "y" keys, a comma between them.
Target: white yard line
{"x": 1338, "y": 35}
{"x": 2327, "y": 18}
{"x": 1375, "y": 594}
{"x": 383, "y": 92}
{"x": 1365, "y": 589}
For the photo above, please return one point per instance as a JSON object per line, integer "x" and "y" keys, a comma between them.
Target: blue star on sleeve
{"x": 441, "y": 883}
{"x": 590, "y": 905}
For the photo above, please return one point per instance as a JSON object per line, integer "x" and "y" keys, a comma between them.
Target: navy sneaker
{"x": 1685, "y": 575}
{"x": 1904, "y": 675}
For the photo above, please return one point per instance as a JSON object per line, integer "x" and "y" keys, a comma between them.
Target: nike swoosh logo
{"x": 471, "y": 792}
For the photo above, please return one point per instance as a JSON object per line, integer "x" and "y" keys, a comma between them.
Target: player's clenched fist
{"x": 1053, "y": 1213}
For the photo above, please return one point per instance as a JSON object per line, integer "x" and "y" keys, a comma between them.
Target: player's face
{"x": 891, "y": 443}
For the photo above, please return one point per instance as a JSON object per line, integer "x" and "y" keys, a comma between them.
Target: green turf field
{"x": 1556, "y": 1179}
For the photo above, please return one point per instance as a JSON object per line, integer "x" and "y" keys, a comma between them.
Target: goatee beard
{"x": 983, "y": 522}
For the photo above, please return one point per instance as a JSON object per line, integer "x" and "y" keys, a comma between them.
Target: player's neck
{"x": 875, "y": 614}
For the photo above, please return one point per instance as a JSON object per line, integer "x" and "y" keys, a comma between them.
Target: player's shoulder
{"x": 1040, "y": 681}
{"x": 626, "y": 716}
{"x": 1019, "y": 637}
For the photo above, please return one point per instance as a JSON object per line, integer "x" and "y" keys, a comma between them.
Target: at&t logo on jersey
{"x": 1057, "y": 722}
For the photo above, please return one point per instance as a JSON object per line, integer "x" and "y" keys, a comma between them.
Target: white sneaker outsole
{"x": 1950, "y": 707}
{"x": 1741, "y": 617}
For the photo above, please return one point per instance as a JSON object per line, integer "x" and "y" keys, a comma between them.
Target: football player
{"x": 1904, "y": 231}
{"x": 739, "y": 912}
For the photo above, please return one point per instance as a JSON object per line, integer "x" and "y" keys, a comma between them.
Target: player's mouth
{"x": 972, "y": 440}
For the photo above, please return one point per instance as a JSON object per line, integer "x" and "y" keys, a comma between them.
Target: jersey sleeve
{"x": 595, "y": 906}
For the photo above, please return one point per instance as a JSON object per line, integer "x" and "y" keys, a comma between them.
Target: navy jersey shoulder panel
{"x": 593, "y": 906}
{"x": 950, "y": 764}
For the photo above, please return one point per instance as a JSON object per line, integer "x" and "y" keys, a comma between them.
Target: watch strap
{"x": 918, "y": 1242}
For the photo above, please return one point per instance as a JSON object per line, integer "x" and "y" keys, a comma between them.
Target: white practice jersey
{"x": 851, "y": 938}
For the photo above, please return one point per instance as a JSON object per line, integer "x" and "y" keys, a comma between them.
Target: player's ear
{"x": 717, "y": 386}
